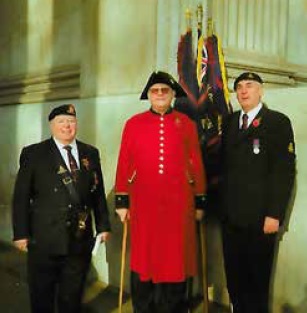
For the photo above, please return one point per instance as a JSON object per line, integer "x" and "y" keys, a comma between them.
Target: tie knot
{"x": 68, "y": 148}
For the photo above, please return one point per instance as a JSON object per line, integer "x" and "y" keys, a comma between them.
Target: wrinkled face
{"x": 161, "y": 97}
{"x": 64, "y": 128}
{"x": 249, "y": 94}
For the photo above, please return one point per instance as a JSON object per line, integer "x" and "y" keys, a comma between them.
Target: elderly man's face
{"x": 64, "y": 128}
{"x": 249, "y": 94}
{"x": 160, "y": 97}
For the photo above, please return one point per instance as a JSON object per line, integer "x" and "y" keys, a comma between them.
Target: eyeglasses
{"x": 64, "y": 120}
{"x": 163, "y": 90}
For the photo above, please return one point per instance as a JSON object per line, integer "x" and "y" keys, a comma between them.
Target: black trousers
{"x": 56, "y": 282}
{"x": 149, "y": 297}
{"x": 248, "y": 257}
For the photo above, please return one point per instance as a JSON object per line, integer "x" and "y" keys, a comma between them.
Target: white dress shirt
{"x": 251, "y": 115}
{"x": 63, "y": 152}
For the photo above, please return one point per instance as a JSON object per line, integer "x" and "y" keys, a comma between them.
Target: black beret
{"x": 65, "y": 109}
{"x": 159, "y": 77}
{"x": 247, "y": 76}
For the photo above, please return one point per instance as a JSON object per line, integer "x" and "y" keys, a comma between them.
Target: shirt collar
{"x": 252, "y": 113}
{"x": 60, "y": 145}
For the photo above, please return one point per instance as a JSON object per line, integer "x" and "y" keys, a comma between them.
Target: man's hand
{"x": 199, "y": 215}
{"x": 123, "y": 214}
{"x": 104, "y": 236}
{"x": 21, "y": 244}
{"x": 271, "y": 225}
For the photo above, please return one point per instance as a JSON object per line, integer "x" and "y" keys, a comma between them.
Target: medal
{"x": 82, "y": 217}
{"x": 256, "y": 146}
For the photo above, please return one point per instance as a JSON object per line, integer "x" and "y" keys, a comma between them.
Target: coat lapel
{"x": 61, "y": 171}
{"x": 256, "y": 122}
{"x": 56, "y": 158}
{"x": 234, "y": 133}
{"x": 237, "y": 135}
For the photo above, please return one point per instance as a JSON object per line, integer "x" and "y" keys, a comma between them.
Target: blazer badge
{"x": 61, "y": 170}
{"x": 291, "y": 147}
{"x": 86, "y": 163}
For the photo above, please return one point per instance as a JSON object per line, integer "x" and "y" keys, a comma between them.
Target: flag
{"x": 212, "y": 76}
{"x": 187, "y": 67}
{"x": 213, "y": 106}
{"x": 203, "y": 77}
{"x": 202, "y": 61}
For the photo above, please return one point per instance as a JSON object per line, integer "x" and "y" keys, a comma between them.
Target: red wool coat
{"x": 160, "y": 171}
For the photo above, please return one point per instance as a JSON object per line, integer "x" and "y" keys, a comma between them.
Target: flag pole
{"x": 202, "y": 230}
{"x": 200, "y": 43}
{"x": 122, "y": 266}
{"x": 203, "y": 248}
{"x": 188, "y": 19}
{"x": 200, "y": 15}
{"x": 210, "y": 29}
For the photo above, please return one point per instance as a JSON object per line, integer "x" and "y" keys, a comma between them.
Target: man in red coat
{"x": 160, "y": 188}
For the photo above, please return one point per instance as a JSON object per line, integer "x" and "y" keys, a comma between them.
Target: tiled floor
{"x": 14, "y": 291}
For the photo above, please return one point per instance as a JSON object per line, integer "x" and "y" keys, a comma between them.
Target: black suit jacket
{"x": 258, "y": 168}
{"x": 42, "y": 205}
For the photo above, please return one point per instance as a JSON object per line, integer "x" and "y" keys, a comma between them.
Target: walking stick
{"x": 122, "y": 266}
{"x": 203, "y": 248}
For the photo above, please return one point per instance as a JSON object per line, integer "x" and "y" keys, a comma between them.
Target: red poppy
{"x": 256, "y": 122}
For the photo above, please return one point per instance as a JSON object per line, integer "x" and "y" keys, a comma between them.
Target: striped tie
{"x": 72, "y": 163}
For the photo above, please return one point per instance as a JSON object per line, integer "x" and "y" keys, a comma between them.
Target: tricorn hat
{"x": 65, "y": 109}
{"x": 247, "y": 76}
{"x": 159, "y": 77}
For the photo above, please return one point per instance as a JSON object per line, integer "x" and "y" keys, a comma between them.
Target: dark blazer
{"x": 258, "y": 168}
{"x": 42, "y": 205}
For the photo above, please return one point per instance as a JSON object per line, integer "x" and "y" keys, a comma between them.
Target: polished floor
{"x": 98, "y": 299}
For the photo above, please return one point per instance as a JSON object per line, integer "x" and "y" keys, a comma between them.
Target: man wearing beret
{"x": 160, "y": 188}
{"x": 58, "y": 187}
{"x": 258, "y": 176}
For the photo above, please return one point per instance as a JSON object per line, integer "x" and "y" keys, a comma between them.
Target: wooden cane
{"x": 122, "y": 266}
{"x": 204, "y": 266}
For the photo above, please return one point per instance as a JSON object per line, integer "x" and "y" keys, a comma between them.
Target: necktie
{"x": 72, "y": 162}
{"x": 244, "y": 121}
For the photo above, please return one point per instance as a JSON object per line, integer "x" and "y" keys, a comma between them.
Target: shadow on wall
{"x": 284, "y": 229}
{"x": 287, "y": 308}
{"x": 285, "y": 226}
{"x": 300, "y": 308}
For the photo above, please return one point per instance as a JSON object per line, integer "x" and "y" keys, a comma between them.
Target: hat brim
{"x": 247, "y": 76}
{"x": 162, "y": 78}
